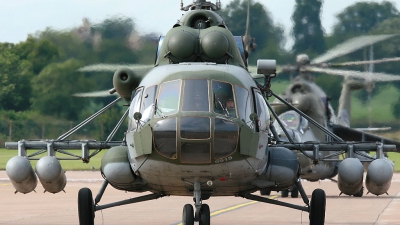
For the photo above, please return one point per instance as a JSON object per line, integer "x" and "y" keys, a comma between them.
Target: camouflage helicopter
{"x": 184, "y": 137}
{"x": 309, "y": 98}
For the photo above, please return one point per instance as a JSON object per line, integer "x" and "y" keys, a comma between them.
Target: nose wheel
{"x": 188, "y": 217}
{"x": 201, "y": 213}
{"x": 204, "y": 215}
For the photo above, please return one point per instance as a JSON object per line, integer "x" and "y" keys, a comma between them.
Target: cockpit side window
{"x": 195, "y": 95}
{"x": 244, "y": 105}
{"x": 168, "y": 98}
{"x": 262, "y": 111}
{"x": 135, "y": 107}
{"x": 147, "y": 108}
{"x": 224, "y": 101}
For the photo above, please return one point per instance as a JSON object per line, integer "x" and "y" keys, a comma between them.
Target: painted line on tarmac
{"x": 231, "y": 208}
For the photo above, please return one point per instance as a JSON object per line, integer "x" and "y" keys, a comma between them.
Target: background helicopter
{"x": 173, "y": 148}
{"x": 306, "y": 96}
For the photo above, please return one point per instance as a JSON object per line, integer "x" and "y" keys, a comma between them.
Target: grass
{"x": 94, "y": 163}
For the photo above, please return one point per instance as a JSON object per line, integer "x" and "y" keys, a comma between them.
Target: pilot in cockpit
{"x": 230, "y": 107}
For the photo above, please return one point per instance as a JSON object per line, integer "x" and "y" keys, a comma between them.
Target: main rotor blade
{"x": 351, "y": 46}
{"x": 113, "y": 67}
{"x": 355, "y": 63}
{"x": 355, "y": 74}
{"x": 95, "y": 94}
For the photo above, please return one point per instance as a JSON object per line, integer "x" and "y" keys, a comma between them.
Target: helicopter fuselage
{"x": 174, "y": 142}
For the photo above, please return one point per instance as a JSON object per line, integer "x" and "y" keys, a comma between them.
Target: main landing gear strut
{"x": 316, "y": 207}
{"x": 87, "y": 208}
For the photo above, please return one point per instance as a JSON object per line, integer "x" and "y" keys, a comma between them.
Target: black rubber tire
{"x": 284, "y": 193}
{"x": 204, "y": 215}
{"x": 85, "y": 207}
{"x": 317, "y": 207}
{"x": 294, "y": 193}
{"x": 265, "y": 192}
{"x": 188, "y": 215}
{"x": 359, "y": 193}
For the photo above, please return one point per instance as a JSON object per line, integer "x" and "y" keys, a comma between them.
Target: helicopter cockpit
{"x": 196, "y": 120}
{"x": 296, "y": 125}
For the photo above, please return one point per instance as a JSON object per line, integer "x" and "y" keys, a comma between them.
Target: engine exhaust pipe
{"x": 350, "y": 176}
{"x": 379, "y": 176}
{"x": 50, "y": 174}
{"x": 21, "y": 174}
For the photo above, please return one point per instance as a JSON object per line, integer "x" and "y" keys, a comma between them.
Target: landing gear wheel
{"x": 188, "y": 215}
{"x": 295, "y": 192}
{"x": 204, "y": 215}
{"x": 317, "y": 205}
{"x": 265, "y": 192}
{"x": 85, "y": 207}
{"x": 359, "y": 193}
{"x": 284, "y": 193}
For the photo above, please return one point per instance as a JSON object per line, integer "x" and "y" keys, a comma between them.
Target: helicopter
{"x": 183, "y": 140}
{"x": 309, "y": 98}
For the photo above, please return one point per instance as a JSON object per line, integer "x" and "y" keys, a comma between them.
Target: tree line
{"x": 39, "y": 75}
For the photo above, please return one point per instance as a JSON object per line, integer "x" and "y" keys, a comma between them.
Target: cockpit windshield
{"x": 168, "y": 98}
{"x": 293, "y": 120}
{"x": 224, "y": 102}
{"x": 195, "y": 97}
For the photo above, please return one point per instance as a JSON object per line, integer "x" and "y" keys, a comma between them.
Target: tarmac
{"x": 62, "y": 208}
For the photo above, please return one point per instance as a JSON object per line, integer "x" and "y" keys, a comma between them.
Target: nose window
{"x": 195, "y": 127}
{"x": 225, "y": 138}
{"x": 195, "y": 153}
{"x": 164, "y": 132}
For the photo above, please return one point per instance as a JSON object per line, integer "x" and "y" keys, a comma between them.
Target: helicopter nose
{"x": 200, "y": 139}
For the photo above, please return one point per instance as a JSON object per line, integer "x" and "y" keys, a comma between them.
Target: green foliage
{"x": 53, "y": 89}
{"x": 361, "y": 17}
{"x": 15, "y": 75}
{"x": 269, "y": 37}
{"x": 307, "y": 30}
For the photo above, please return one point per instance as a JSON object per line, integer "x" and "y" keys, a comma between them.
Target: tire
{"x": 284, "y": 193}
{"x": 188, "y": 215}
{"x": 204, "y": 215}
{"x": 265, "y": 192}
{"x": 85, "y": 207}
{"x": 317, "y": 207}
{"x": 295, "y": 192}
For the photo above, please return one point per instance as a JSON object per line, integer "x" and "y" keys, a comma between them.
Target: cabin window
{"x": 226, "y": 135}
{"x": 164, "y": 132}
{"x": 224, "y": 101}
{"x": 262, "y": 112}
{"x": 244, "y": 105}
{"x": 147, "y": 108}
{"x": 168, "y": 98}
{"x": 135, "y": 107}
{"x": 195, "y": 96}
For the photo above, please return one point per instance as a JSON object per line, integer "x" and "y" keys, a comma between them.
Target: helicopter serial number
{"x": 226, "y": 159}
